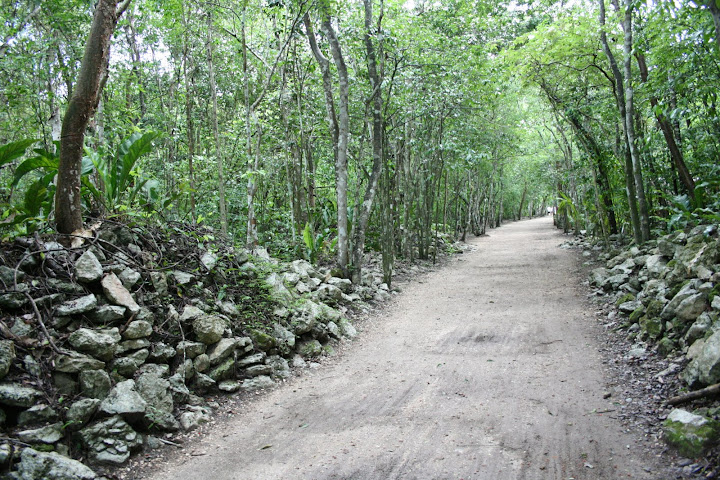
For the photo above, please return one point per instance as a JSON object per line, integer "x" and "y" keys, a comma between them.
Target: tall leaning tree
{"x": 82, "y": 106}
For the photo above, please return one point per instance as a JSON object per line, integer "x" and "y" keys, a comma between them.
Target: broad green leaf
{"x": 35, "y": 196}
{"x": 11, "y": 151}
{"x": 32, "y": 164}
{"x": 129, "y": 152}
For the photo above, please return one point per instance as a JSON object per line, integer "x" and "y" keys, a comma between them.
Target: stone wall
{"x": 667, "y": 292}
{"x": 115, "y": 340}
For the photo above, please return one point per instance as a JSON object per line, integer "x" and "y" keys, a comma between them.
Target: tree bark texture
{"x": 216, "y": 131}
{"x": 619, "y": 89}
{"x": 361, "y": 223}
{"x": 669, "y": 133}
{"x": 189, "y": 92}
{"x": 83, "y": 103}
{"x": 630, "y": 125}
{"x": 324, "y": 65}
{"x": 715, "y": 12}
{"x": 341, "y": 165}
{"x": 136, "y": 71}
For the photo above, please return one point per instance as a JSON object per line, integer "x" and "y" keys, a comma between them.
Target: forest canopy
{"x": 325, "y": 129}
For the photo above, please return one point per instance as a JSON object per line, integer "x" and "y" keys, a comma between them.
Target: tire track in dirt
{"x": 488, "y": 369}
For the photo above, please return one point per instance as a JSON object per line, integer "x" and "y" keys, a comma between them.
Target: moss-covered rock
{"x": 224, "y": 371}
{"x": 666, "y": 346}
{"x": 209, "y": 328}
{"x": 691, "y": 434}
{"x": 628, "y": 297}
{"x": 705, "y": 368}
{"x": 7, "y": 355}
{"x": 311, "y": 348}
{"x": 652, "y": 326}
{"x": 654, "y": 308}
{"x": 261, "y": 340}
{"x": 636, "y": 315}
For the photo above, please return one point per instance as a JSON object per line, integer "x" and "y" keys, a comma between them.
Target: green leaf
{"x": 11, "y": 151}
{"x": 35, "y": 196}
{"x": 93, "y": 190}
{"x": 35, "y": 163}
{"x": 129, "y": 152}
{"x": 310, "y": 241}
{"x": 87, "y": 166}
{"x": 138, "y": 187}
{"x": 151, "y": 191}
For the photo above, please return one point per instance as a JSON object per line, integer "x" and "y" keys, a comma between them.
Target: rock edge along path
{"x": 488, "y": 369}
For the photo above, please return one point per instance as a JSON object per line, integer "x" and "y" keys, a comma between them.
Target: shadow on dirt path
{"x": 489, "y": 369}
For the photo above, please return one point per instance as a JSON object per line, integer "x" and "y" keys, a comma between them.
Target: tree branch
{"x": 122, "y": 6}
{"x": 6, "y": 41}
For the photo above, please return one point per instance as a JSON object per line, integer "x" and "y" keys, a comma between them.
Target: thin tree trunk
{"x": 55, "y": 120}
{"x": 341, "y": 165}
{"x": 251, "y": 237}
{"x": 715, "y": 12}
{"x": 522, "y": 201}
{"x": 630, "y": 125}
{"x": 310, "y": 174}
{"x": 363, "y": 218}
{"x": 603, "y": 177}
{"x": 136, "y": 71}
{"x": 669, "y": 133}
{"x": 216, "y": 131}
{"x": 189, "y": 100}
{"x": 332, "y": 120}
{"x": 293, "y": 163}
{"x": 619, "y": 88}
{"x": 84, "y": 101}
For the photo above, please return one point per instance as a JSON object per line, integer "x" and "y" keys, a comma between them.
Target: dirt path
{"x": 487, "y": 370}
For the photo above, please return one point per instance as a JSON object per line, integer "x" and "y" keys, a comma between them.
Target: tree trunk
{"x": 630, "y": 125}
{"x": 293, "y": 162}
{"x": 136, "y": 71}
{"x": 715, "y": 12}
{"x": 341, "y": 164}
{"x": 339, "y": 126}
{"x": 189, "y": 84}
{"x": 84, "y": 101}
{"x": 216, "y": 131}
{"x": 669, "y": 133}
{"x": 310, "y": 175}
{"x": 361, "y": 222}
{"x": 522, "y": 202}
{"x": 619, "y": 88}
{"x": 603, "y": 177}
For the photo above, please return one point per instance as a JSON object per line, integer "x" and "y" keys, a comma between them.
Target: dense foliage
{"x": 260, "y": 117}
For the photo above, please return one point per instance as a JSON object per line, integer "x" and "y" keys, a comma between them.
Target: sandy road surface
{"x": 488, "y": 369}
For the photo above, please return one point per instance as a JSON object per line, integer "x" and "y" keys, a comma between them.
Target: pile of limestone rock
{"x": 112, "y": 343}
{"x": 668, "y": 292}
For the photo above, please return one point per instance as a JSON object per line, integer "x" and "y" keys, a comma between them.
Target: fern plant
{"x": 567, "y": 208}
{"x": 119, "y": 181}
